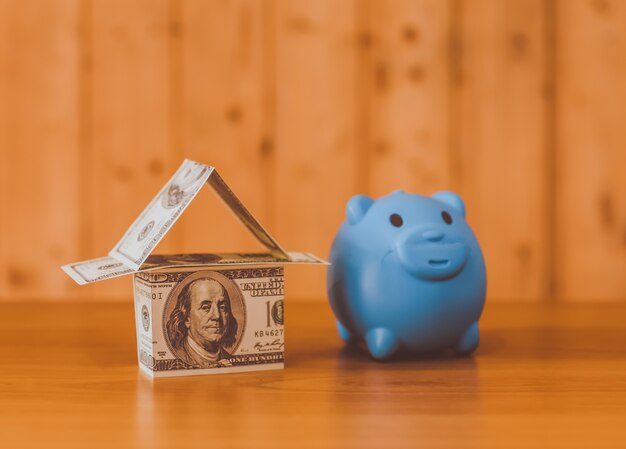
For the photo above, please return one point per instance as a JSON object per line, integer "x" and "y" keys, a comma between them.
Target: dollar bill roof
{"x": 133, "y": 251}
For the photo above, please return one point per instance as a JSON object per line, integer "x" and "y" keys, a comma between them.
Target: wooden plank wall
{"x": 517, "y": 105}
{"x": 502, "y": 142}
{"x": 316, "y": 156}
{"x": 591, "y": 149}
{"x": 224, "y": 113}
{"x": 128, "y": 118}
{"x": 39, "y": 137}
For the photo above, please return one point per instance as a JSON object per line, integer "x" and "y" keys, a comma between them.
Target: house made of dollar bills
{"x": 199, "y": 313}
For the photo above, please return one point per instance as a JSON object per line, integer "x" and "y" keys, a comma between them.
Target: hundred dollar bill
{"x": 305, "y": 258}
{"x": 216, "y": 259}
{"x": 102, "y": 268}
{"x": 240, "y": 211}
{"x": 95, "y": 270}
{"x": 209, "y": 321}
{"x": 164, "y": 209}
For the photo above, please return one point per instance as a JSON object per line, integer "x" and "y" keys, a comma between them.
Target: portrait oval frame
{"x": 237, "y": 306}
{"x": 185, "y": 182}
{"x": 280, "y": 321}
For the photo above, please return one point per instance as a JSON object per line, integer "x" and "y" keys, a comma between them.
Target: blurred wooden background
{"x": 518, "y": 105}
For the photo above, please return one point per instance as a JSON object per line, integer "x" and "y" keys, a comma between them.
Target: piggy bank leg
{"x": 345, "y": 333}
{"x": 381, "y": 343}
{"x": 469, "y": 341}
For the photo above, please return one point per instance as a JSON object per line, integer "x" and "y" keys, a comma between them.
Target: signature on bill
{"x": 276, "y": 345}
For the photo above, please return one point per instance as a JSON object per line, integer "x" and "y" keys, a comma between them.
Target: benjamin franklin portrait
{"x": 204, "y": 325}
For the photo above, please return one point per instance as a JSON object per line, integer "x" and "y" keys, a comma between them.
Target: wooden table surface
{"x": 544, "y": 376}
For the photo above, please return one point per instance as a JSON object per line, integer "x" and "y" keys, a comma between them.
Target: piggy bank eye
{"x": 446, "y": 217}
{"x": 396, "y": 220}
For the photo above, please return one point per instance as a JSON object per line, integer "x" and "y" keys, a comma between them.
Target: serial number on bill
{"x": 269, "y": 333}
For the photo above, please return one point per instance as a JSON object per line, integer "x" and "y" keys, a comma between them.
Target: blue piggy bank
{"x": 407, "y": 275}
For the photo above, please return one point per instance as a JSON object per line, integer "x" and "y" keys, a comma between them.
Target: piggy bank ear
{"x": 357, "y": 208}
{"x": 452, "y": 200}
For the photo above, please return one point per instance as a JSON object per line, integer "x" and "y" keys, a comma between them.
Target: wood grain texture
{"x": 502, "y": 141}
{"x": 408, "y": 101}
{"x": 591, "y": 149}
{"x": 316, "y": 135}
{"x": 5, "y": 113}
{"x": 130, "y": 120}
{"x": 225, "y": 116}
{"x": 517, "y": 105}
{"x": 39, "y": 140}
{"x": 544, "y": 376}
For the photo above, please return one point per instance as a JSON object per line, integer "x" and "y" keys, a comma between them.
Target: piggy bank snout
{"x": 431, "y": 253}
{"x": 432, "y": 235}
{"x": 419, "y": 235}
